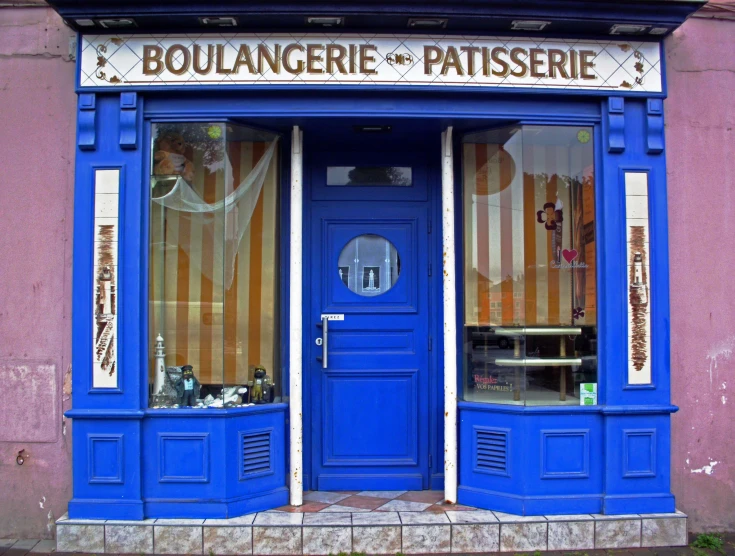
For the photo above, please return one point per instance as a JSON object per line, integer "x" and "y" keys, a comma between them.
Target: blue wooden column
{"x": 107, "y": 420}
{"x": 637, "y": 416}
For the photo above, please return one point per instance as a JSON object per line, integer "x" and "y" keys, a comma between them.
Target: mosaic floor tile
{"x": 328, "y": 519}
{"x": 477, "y": 516}
{"x": 327, "y": 540}
{"x": 389, "y": 494}
{"x": 284, "y": 518}
{"x": 426, "y": 496}
{"x": 423, "y": 518}
{"x": 444, "y": 507}
{"x": 307, "y": 507}
{"x": 325, "y": 497}
{"x": 377, "y": 540}
{"x": 376, "y": 518}
{"x": 364, "y": 502}
{"x": 342, "y": 509}
{"x": 403, "y": 506}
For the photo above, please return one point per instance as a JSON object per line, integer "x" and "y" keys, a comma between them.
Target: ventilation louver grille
{"x": 492, "y": 451}
{"x": 256, "y": 453}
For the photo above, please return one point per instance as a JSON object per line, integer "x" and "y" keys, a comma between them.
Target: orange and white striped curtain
{"x": 222, "y": 328}
{"x": 518, "y": 272}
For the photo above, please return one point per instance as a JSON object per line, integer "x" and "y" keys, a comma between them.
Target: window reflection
{"x": 530, "y": 332}
{"x": 369, "y": 175}
{"x": 213, "y": 299}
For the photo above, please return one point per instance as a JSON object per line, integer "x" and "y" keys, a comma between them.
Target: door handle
{"x": 325, "y": 341}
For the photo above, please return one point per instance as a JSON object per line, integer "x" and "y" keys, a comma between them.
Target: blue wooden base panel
{"x": 105, "y": 509}
{"x": 185, "y": 465}
{"x": 202, "y": 509}
{"x": 529, "y": 505}
{"x": 553, "y": 463}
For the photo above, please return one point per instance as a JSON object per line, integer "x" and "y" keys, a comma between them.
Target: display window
{"x": 530, "y": 295}
{"x": 213, "y": 315}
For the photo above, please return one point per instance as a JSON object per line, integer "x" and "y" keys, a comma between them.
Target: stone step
{"x": 283, "y": 533}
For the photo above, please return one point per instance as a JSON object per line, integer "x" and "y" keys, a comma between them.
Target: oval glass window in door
{"x": 369, "y": 265}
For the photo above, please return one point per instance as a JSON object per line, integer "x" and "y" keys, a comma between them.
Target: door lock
{"x": 319, "y": 341}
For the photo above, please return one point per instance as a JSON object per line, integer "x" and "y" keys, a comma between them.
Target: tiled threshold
{"x": 335, "y": 528}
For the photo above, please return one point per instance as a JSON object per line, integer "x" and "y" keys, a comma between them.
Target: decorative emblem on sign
{"x": 102, "y": 60}
{"x": 399, "y": 59}
{"x": 638, "y": 66}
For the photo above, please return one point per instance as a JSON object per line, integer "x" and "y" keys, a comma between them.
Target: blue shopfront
{"x": 376, "y": 250}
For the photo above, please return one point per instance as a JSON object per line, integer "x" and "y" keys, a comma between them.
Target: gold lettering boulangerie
{"x": 363, "y": 58}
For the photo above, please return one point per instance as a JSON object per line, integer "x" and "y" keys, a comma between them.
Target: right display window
{"x": 530, "y": 291}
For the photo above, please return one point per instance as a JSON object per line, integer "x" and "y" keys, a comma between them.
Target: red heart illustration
{"x": 569, "y": 254}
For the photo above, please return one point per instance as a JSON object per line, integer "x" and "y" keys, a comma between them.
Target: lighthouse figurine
{"x": 160, "y": 372}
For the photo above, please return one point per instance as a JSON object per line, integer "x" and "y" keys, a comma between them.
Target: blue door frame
{"x": 111, "y": 133}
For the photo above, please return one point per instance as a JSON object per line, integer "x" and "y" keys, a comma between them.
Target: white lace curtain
{"x": 235, "y": 210}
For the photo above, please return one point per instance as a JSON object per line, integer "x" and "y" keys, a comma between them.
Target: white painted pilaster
{"x": 296, "y": 474}
{"x": 450, "y": 321}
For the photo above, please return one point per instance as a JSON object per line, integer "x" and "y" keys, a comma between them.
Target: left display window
{"x": 213, "y": 315}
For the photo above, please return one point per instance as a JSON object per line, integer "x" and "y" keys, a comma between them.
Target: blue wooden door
{"x": 368, "y": 262}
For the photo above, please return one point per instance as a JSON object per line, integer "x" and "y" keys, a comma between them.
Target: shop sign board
{"x": 369, "y": 60}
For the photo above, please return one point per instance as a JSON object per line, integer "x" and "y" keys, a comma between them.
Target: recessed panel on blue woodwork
{"x": 183, "y": 457}
{"x": 361, "y": 342}
{"x": 381, "y": 429}
{"x": 107, "y": 469}
{"x": 105, "y": 458}
{"x": 402, "y": 297}
{"x": 565, "y": 454}
{"x": 639, "y": 453}
{"x": 632, "y": 440}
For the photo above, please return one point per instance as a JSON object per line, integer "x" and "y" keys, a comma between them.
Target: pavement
{"x": 34, "y": 547}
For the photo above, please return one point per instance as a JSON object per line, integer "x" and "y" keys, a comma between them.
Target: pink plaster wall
{"x": 37, "y": 121}
{"x": 700, "y": 145}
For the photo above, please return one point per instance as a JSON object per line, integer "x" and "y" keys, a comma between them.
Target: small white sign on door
{"x": 333, "y": 317}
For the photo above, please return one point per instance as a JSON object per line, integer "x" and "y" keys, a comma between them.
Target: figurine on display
{"x": 170, "y": 156}
{"x": 187, "y": 387}
{"x": 259, "y": 393}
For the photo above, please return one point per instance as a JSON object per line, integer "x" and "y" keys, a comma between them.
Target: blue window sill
{"x": 569, "y": 409}
{"x": 179, "y": 412}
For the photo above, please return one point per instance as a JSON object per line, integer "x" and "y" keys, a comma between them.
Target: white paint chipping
{"x": 724, "y": 400}
{"x": 295, "y": 315}
{"x": 707, "y": 469}
{"x": 721, "y": 351}
{"x": 450, "y": 321}
{"x": 42, "y": 502}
